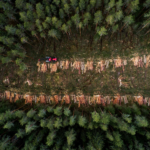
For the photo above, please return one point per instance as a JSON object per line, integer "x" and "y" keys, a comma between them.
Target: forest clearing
{"x": 95, "y": 95}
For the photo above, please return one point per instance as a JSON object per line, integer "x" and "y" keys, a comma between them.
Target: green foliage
{"x": 53, "y": 8}
{"x": 39, "y": 11}
{"x": 76, "y": 19}
{"x": 90, "y": 125}
{"x": 67, "y": 112}
{"x": 23, "y": 16}
{"x": 82, "y": 121}
{"x": 98, "y": 17}
{"x": 6, "y": 60}
{"x": 110, "y": 19}
{"x": 57, "y": 2}
{"x": 58, "y": 111}
{"x": 52, "y": 33}
{"x": 109, "y": 136}
{"x": 87, "y": 18}
{"x": 127, "y": 118}
{"x": 134, "y": 5}
{"x": 58, "y": 123}
{"x": 95, "y": 140}
{"x": 8, "y": 125}
{"x": 82, "y": 5}
{"x": 21, "y": 133}
{"x": 54, "y": 20}
{"x": 48, "y": 11}
{"x": 48, "y": 20}
{"x": 119, "y": 4}
{"x": 43, "y": 123}
{"x": 50, "y": 109}
{"x": 31, "y": 113}
{"x": 102, "y": 31}
{"x": 61, "y": 13}
{"x": 42, "y": 113}
{"x": 105, "y": 118}
{"x": 95, "y": 117}
{"x": 118, "y": 15}
{"x": 24, "y": 39}
{"x": 64, "y": 28}
{"x": 148, "y": 135}
{"x": 9, "y": 115}
{"x": 74, "y": 3}
{"x": 30, "y": 126}
{"x": 45, "y": 25}
{"x": 72, "y": 120}
{"x": 117, "y": 139}
{"x": 50, "y": 124}
{"x": 65, "y": 122}
{"x": 3, "y": 142}
{"x": 146, "y": 3}
{"x": 128, "y": 20}
{"x": 92, "y": 3}
{"x": 10, "y": 29}
{"x": 24, "y": 120}
{"x": 66, "y": 8}
{"x": 19, "y": 113}
{"x": 70, "y": 136}
{"x": 141, "y": 121}
{"x": 132, "y": 130}
{"x": 110, "y": 5}
{"x": 20, "y": 4}
{"x": 50, "y": 137}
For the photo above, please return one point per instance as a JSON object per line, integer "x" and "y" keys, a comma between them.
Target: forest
{"x": 96, "y": 96}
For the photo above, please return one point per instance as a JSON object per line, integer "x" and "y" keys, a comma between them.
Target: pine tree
{"x": 52, "y": 33}
{"x": 95, "y": 117}
{"x": 82, "y": 121}
{"x": 30, "y": 126}
{"x": 58, "y": 111}
{"x": 31, "y": 113}
{"x": 50, "y": 137}
{"x": 8, "y": 125}
{"x": 110, "y": 19}
{"x": 72, "y": 120}
{"x": 24, "y": 120}
{"x": 58, "y": 123}
{"x": 74, "y": 3}
{"x": 82, "y": 5}
{"x": 119, "y": 4}
{"x": 67, "y": 112}
{"x": 87, "y": 18}
{"x": 98, "y": 17}
{"x": 40, "y": 11}
{"x": 10, "y": 29}
{"x": 21, "y": 133}
{"x": 61, "y": 13}
{"x": 20, "y": 4}
{"x": 42, "y": 113}
{"x": 66, "y": 8}
{"x": 70, "y": 136}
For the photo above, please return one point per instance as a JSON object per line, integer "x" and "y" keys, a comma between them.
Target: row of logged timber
{"x": 100, "y": 65}
{"x": 80, "y": 99}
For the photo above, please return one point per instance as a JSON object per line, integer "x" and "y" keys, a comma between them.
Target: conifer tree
{"x": 40, "y": 11}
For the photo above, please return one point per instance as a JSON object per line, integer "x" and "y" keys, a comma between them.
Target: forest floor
{"x": 66, "y": 81}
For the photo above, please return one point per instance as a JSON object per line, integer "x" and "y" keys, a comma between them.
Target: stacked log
{"x": 82, "y": 99}
{"x": 138, "y": 61}
{"x": 7, "y": 93}
{"x": 43, "y": 99}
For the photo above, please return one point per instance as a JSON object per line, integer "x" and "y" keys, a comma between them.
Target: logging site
{"x": 74, "y": 75}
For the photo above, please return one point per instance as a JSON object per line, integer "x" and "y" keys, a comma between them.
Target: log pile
{"x": 89, "y": 65}
{"x": 80, "y": 99}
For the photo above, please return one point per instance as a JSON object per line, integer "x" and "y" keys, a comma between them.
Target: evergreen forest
{"x": 102, "y": 48}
